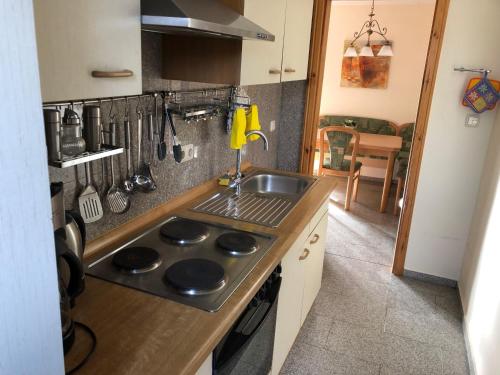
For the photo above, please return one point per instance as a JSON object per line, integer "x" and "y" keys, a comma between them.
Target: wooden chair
{"x": 339, "y": 139}
{"x": 405, "y": 131}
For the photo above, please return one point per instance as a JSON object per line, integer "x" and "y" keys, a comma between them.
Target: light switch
{"x": 472, "y": 120}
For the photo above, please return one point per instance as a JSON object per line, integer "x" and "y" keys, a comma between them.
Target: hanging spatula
{"x": 89, "y": 201}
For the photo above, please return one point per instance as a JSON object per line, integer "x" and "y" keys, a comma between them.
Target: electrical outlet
{"x": 272, "y": 126}
{"x": 188, "y": 152}
{"x": 472, "y": 120}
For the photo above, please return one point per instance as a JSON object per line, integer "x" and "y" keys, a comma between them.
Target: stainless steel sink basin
{"x": 276, "y": 184}
{"x": 264, "y": 199}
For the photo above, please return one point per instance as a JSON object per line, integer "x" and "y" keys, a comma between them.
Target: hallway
{"x": 367, "y": 321}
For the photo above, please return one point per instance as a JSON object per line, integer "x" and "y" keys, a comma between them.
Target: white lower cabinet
{"x": 313, "y": 265}
{"x": 302, "y": 269}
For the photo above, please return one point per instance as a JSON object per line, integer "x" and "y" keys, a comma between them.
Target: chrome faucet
{"x": 236, "y": 180}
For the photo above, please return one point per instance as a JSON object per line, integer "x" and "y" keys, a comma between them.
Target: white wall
{"x": 30, "y": 328}
{"x": 409, "y": 24}
{"x": 453, "y": 154}
{"x": 480, "y": 277}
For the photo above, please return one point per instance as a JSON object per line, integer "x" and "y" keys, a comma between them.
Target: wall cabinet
{"x": 286, "y": 58}
{"x": 301, "y": 280}
{"x": 76, "y": 38}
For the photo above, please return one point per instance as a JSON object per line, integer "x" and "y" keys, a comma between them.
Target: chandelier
{"x": 370, "y": 27}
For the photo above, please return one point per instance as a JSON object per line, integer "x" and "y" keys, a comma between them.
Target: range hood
{"x": 205, "y": 17}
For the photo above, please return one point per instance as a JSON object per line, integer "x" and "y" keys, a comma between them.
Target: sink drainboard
{"x": 251, "y": 207}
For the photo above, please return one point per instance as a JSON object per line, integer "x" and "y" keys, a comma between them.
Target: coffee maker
{"x": 69, "y": 238}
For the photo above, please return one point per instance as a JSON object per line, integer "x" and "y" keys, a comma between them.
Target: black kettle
{"x": 67, "y": 291}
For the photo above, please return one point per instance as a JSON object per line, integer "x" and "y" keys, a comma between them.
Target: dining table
{"x": 387, "y": 146}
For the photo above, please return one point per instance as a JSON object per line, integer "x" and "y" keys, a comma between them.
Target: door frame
{"x": 317, "y": 57}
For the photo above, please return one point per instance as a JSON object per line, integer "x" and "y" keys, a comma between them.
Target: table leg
{"x": 387, "y": 181}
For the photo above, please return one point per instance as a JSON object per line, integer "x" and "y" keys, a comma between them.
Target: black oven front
{"x": 248, "y": 346}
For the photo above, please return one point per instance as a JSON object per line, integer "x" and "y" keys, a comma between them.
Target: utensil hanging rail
{"x": 174, "y": 95}
{"x": 473, "y": 70}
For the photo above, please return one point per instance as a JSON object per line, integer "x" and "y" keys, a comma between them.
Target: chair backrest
{"x": 339, "y": 139}
{"x": 405, "y": 131}
{"x": 361, "y": 124}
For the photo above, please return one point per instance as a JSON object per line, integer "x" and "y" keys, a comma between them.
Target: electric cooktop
{"x": 191, "y": 262}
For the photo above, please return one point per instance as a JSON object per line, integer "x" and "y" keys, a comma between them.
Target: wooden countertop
{"x": 138, "y": 333}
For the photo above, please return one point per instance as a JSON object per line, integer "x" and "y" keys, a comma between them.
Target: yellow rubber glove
{"x": 253, "y": 122}
{"x": 238, "y": 138}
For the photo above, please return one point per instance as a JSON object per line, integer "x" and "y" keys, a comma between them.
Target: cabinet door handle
{"x": 305, "y": 254}
{"x": 290, "y": 70}
{"x": 112, "y": 73}
{"x": 274, "y": 71}
{"x": 314, "y": 239}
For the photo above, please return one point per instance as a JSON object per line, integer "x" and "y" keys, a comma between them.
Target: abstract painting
{"x": 365, "y": 72}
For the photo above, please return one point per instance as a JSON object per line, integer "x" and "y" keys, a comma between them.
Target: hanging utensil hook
{"x": 111, "y": 115}
{"x": 126, "y": 108}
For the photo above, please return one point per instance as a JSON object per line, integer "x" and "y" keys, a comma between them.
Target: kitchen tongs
{"x": 177, "y": 148}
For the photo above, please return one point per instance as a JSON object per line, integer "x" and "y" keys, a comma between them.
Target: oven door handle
{"x": 272, "y": 299}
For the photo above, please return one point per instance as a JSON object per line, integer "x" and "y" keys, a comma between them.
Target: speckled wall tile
{"x": 214, "y": 155}
{"x": 293, "y": 98}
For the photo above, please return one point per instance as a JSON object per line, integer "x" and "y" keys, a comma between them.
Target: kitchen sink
{"x": 264, "y": 198}
{"x": 276, "y": 184}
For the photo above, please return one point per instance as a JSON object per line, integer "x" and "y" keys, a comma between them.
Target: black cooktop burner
{"x": 184, "y": 232}
{"x": 195, "y": 276}
{"x": 137, "y": 259}
{"x": 237, "y": 243}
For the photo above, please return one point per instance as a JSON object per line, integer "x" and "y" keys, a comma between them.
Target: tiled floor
{"x": 367, "y": 321}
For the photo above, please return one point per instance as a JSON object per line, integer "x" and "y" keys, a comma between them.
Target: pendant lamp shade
{"x": 366, "y": 51}
{"x": 386, "y": 50}
{"x": 351, "y": 52}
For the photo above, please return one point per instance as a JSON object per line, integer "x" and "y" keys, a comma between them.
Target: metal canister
{"x": 92, "y": 127}
{"x": 52, "y": 120}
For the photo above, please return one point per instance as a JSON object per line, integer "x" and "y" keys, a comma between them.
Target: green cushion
{"x": 345, "y": 165}
{"x": 361, "y": 124}
{"x": 407, "y": 135}
{"x": 402, "y": 168}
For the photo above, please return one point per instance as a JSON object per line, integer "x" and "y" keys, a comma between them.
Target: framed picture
{"x": 365, "y": 72}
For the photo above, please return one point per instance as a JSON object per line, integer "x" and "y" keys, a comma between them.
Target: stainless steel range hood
{"x": 201, "y": 17}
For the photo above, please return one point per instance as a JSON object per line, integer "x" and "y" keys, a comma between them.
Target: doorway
{"x": 368, "y": 103}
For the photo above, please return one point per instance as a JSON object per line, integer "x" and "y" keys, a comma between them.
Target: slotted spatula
{"x": 89, "y": 201}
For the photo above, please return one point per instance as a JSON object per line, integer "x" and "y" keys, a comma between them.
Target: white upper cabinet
{"x": 297, "y": 38}
{"x": 261, "y": 60}
{"x": 286, "y": 58}
{"x": 78, "y": 40}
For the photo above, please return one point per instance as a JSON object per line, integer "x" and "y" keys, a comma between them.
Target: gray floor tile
{"x": 315, "y": 330}
{"x": 362, "y": 342}
{"x": 353, "y": 309}
{"x": 307, "y": 359}
{"x": 411, "y": 299}
{"x": 355, "y": 287}
{"x": 354, "y": 268}
{"x": 434, "y": 329}
{"x": 455, "y": 362}
{"x": 411, "y": 356}
{"x": 450, "y": 304}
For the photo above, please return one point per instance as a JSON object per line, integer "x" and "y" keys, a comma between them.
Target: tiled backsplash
{"x": 282, "y": 103}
